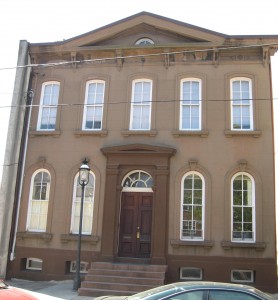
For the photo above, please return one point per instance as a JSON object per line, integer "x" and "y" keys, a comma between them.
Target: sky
{"x": 56, "y": 20}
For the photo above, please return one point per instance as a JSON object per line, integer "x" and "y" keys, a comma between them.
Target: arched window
{"x": 144, "y": 41}
{"x": 87, "y": 207}
{"x": 141, "y": 104}
{"x": 94, "y": 101}
{"x": 190, "y": 104}
{"x": 192, "y": 206}
{"x": 38, "y": 201}
{"x": 243, "y": 208}
{"x": 48, "y": 106}
{"x": 241, "y": 104}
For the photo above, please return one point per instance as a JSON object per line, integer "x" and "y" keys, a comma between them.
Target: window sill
{"x": 194, "y": 243}
{"x": 80, "y": 133}
{"x": 35, "y": 133}
{"x": 34, "y": 235}
{"x": 252, "y": 133}
{"x": 200, "y": 133}
{"x": 139, "y": 132}
{"x": 227, "y": 245}
{"x": 91, "y": 239}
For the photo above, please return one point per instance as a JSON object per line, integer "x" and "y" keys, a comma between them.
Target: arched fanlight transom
{"x": 138, "y": 179}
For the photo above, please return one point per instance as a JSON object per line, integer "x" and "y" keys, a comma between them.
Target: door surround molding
{"x": 154, "y": 160}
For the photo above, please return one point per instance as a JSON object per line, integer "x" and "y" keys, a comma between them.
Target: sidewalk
{"x": 48, "y": 290}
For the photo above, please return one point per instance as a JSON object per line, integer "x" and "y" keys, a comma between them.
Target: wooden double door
{"x": 135, "y": 225}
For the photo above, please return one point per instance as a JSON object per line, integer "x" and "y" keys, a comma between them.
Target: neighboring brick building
{"x": 177, "y": 124}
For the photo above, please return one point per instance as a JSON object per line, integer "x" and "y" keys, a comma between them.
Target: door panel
{"x": 135, "y": 225}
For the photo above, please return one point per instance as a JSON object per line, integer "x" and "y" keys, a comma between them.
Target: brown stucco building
{"x": 177, "y": 124}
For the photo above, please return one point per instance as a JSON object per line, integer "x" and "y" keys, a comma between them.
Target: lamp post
{"x": 83, "y": 180}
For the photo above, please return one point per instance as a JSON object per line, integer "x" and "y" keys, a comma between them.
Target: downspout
{"x": 29, "y": 102}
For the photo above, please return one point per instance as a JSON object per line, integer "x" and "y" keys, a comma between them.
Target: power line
{"x": 54, "y": 64}
{"x": 127, "y": 102}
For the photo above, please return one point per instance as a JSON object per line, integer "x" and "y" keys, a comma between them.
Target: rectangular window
{"x": 34, "y": 264}
{"x": 140, "y": 118}
{"x": 93, "y": 109}
{"x": 48, "y": 106}
{"x": 243, "y": 276}
{"x": 191, "y": 273}
{"x": 241, "y": 104}
{"x": 190, "y": 104}
{"x": 83, "y": 267}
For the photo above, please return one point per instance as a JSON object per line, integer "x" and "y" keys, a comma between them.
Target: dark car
{"x": 196, "y": 291}
{"x": 11, "y": 293}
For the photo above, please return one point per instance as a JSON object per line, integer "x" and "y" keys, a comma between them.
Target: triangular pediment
{"x": 163, "y": 31}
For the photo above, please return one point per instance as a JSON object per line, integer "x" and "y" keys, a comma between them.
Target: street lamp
{"x": 83, "y": 180}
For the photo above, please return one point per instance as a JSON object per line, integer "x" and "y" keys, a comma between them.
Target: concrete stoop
{"x": 105, "y": 278}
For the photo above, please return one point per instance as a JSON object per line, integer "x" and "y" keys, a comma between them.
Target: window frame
{"x": 72, "y": 230}
{"x": 252, "y": 280}
{"x": 134, "y": 82}
{"x": 42, "y": 106}
{"x": 84, "y": 265}
{"x": 253, "y": 207}
{"x": 192, "y": 238}
{"x": 30, "y": 201}
{"x": 86, "y": 105}
{"x": 191, "y": 278}
{"x": 241, "y": 105}
{"x": 30, "y": 259}
{"x": 199, "y": 105}
{"x": 145, "y": 41}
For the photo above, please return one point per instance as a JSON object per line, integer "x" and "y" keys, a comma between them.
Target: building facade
{"x": 177, "y": 124}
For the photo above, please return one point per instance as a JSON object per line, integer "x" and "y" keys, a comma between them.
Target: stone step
{"x": 116, "y": 286}
{"x": 129, "y": 266}
{"x": 105, "y": 278}
{"x": 128, "y": 273}
{"x": 125, "y": 279}
{"x": 92, "y": 292}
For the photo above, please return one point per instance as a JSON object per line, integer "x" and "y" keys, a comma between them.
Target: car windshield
{"x": 157, "y": 293}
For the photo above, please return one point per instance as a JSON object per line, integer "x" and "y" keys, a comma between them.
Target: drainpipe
{"x": 24, "y": 145}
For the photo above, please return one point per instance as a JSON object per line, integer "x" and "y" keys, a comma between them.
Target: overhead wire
{"x": 126, "y": 102}
{"x": 54, "y": 64}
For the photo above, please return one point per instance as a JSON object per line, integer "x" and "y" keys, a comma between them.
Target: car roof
{"x": 208, "y": 284}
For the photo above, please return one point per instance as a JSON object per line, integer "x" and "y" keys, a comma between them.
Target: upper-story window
{"x": 93, "y": 109}
{"x": 192, "y": 206}
{"x": 243, "y": 208}
{"x": 38, "y": 201}
{"x": 241, "y": 104}
{"x": 48, "y": 106}
{"x": 141, "y": 105}
{"x": 190, "y": 104}
{"x": 144, "y": 41}
{"x": 87, "y": 207}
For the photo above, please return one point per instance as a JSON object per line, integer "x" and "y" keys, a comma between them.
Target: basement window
{"x": 242, "y": 276}
{"x": 34, "y": 264}
{"x": 191, "y": 273}
{"x": 83, "y": 267}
